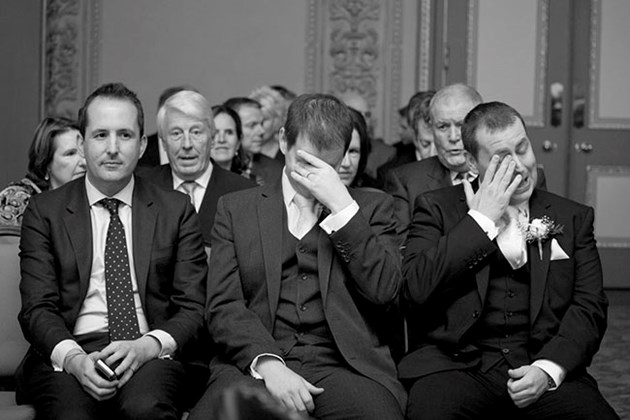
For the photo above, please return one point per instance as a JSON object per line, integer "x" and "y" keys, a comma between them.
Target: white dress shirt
{"x": 201, "y": 185}
{"x": 93, "y": 315}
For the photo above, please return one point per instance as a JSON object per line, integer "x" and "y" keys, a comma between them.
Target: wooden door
{"x": 565, "y": 65}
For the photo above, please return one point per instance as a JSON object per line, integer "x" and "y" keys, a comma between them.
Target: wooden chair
{"x": 13, "y": 346}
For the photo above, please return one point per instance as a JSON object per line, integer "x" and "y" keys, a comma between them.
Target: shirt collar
{"x": 202, "y": 181}
{"x": 469, "y": 176}
{"x": 288, "y": 192}
{"x": 125, "y": 195}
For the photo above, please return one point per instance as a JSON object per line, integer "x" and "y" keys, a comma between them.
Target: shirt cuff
{"x": 61, "y": 350}
{"x": 167, "y": 343}
{"x": 252, "y": 367}
{"x": 485, "y": 223}
{"x": 334, "y": 222}
{"x": 557, "y": 372}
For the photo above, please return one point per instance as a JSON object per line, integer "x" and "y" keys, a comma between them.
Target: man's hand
{"x": 82, "y": 368}
{"x": 322, "y": 181}
{"x": 293, "y": 391}
{"x": 526, "y": 385}
{"x": 496, "y": 189}
{"x": 131, "y": 355}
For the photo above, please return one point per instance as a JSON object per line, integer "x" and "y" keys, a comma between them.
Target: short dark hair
{"x": 418, "y": 108}
{"x": 323, "y": 118}
{"x": 42, "y": 148}
{"x": 112, "y": 91}
{"x": 359, "y": 124}
{"x": 240, "y": 101}
{"x": 493, "y": 116}
{"x": 223, "y": 109}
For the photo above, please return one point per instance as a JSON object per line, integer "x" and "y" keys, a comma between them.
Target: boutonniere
{"x": 540, "y": 230}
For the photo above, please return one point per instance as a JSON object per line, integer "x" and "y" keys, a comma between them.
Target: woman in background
{"x": 352, "y": 169}
{"x": 227, "y": 138}
{"x": 54, "y": 158}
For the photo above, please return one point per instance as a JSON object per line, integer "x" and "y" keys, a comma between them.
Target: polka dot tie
{"x": 123, "y": 322}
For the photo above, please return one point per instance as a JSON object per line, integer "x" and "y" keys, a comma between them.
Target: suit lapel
{"x": 270, "y": 211}
{"x": 79, "y": 227}
{"x": 539, "y": 267}
{"x": 144, "y": 217}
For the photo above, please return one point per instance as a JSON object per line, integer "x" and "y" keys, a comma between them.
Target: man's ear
{"x": 143, "y": 145}
{"x": 282, "y": 140}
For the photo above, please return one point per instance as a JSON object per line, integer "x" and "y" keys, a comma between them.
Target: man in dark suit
{"x": 186, "y": 127}
{"x": 302, "y": 271}
{"x": 113, "y": 270}
{"x": 507, "y": 288}
{"x": 259, "y": 167}
{"x": 447, "y": 110}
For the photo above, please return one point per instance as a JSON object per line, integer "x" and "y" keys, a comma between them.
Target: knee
{"x": 148, "y": 407}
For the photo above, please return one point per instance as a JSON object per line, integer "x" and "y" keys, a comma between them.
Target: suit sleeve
{"x": 440, "y": 251}
{"x": 368, "y": 246}
{"x": 40, "y": 318}
{"x": 583, "y": 324}
{"x": 395, "y": 187}
{"x": 189, "y": 280}
{"x": 238, "y": 331}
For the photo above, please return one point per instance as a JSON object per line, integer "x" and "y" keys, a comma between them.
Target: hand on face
{"x": 321, "y": 181}
{"x": 495, "y": 190}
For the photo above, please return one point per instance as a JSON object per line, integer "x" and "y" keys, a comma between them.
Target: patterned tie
{"x": 190, "y": 187}
{"x": 307, "y": 216}
{"x": 511, "y": 241}
{"x": 123, "y": 322}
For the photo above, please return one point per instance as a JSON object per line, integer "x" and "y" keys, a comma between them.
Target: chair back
{"x": 13, "y": 346}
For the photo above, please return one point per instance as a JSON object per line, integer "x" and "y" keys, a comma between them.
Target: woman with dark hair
{"x": 54, "y": 158}
{"x": 352, "y": 169}
{"x": 227, "y": 138}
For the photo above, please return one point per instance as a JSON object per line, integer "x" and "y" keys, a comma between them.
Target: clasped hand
{"x": 130, "y": 355}
{"x": 496, "y": 189}
{"x": 293, "y": 391}
{"x": 322, "y": 181}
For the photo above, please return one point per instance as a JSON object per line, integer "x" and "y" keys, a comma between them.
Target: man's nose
{"x": 112, "y": 144}
{"x": 186, "y": 141}
{"x": 454, "y": 133}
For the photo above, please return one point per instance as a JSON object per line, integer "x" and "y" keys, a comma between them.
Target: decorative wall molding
{"x": 424, "y": 45}
{"x": 356, "y": 45}
{"x": 596, "y": 121}
{"x": 607, "y": 189}
{"x": 71, "y": 35}
{"x": 537, "y": 119}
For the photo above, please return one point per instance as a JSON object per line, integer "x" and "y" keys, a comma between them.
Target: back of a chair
{"x": 13, "y": 346}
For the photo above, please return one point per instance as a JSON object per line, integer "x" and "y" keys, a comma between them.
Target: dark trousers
{"x": 153, "y": 392}
{"x": 347, "y": 394}
{"x": 472, "y": 394}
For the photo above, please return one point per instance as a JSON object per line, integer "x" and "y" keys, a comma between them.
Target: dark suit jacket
{"x": 221, "y": 182}
{"x": 359, "y": 273}
{"x": 446, "y": 272}
{"x": 266, "y": 170}
{"x": 56, "y": 259}
{"x": 409, "y": 181}
{"x": 151, "y": 155}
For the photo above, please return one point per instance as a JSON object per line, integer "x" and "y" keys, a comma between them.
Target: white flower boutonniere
{"x": 540, "y": 230}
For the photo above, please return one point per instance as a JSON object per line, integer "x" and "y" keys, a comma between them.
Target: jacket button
{"x": 505, "y": 351}
{"x": 475, "y": 314}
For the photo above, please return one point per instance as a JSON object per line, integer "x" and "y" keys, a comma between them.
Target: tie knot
{"x": 189, "y": 186}
{"x": 111, "y": 204}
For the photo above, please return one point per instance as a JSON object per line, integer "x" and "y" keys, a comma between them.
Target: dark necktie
{"x": 123, "y": 322}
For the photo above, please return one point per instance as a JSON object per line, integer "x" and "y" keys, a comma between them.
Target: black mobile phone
{"x": 105, "y": 371}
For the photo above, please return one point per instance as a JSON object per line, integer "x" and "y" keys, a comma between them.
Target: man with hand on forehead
{"x": 505, "y": 284}
{"x": 302, "y": 270}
